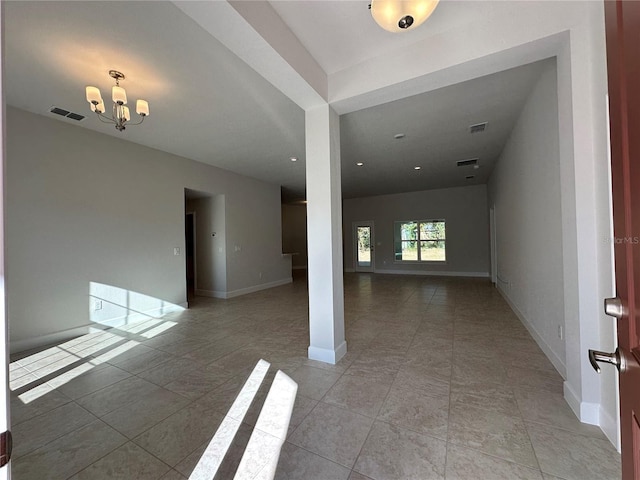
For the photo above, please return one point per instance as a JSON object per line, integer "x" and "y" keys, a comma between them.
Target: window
{"x": 420, "y": 241}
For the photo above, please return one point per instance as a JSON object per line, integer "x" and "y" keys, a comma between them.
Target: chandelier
{"x": 399, "y": 15}
{"x": 121, "y": 117}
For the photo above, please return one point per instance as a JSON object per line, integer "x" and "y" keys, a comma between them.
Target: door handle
{"x": 614, "y": 307}
{"x": 614, "y": 358}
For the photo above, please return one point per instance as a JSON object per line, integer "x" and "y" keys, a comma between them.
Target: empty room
{"x": 317, "y": 240}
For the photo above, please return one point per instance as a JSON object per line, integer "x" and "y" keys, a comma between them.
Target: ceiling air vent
{"x": 478, "y": 127}
{"x": 66, "y": 113}
{"x": 464, "y": 163}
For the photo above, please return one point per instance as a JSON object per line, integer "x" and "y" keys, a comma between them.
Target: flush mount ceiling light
{"x": 400, "y": 15}
{"x": 120, "y": 116}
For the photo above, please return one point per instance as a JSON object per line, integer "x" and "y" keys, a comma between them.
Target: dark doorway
{"x": 189, "y": 234}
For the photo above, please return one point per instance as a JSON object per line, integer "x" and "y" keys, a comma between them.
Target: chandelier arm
{"x": 138, "y": 123}
{"x": 105, "y": 119}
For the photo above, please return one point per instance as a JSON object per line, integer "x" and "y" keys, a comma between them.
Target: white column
{"x": 324, "y": 235}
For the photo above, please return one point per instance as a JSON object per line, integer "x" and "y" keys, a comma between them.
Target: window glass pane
{"x": 432, "y": 251}
{"x": 432, "y": 231}
{"x": 409, "y": 231}
{"x": 410, "y": 250}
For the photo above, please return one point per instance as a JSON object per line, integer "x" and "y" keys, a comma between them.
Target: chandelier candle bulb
{"x": 119, "y": 95}
{"x": 93, "y": 95}
{"x": 142, "y": 108}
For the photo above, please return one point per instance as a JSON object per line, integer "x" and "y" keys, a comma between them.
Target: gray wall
{"x": 525, "y": 189}
{"x": 294, "y": 233}
{"x": 86, "y": 210}
{"x": 467, "y": 222}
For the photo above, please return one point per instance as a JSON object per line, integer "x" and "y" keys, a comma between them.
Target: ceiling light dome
{"x": 400, "y": 15}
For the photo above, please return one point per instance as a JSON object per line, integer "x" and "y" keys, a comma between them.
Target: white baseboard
{"x": 585, "y": 411}
{"x": 326, "y": 355}
{"x": 257, "y": 288}
{"x": 432, "y": 273}
{"x": 210, "y": 293}
{"x": 49, "y": 339}
{"x": 609, "y": 426}
{"x": 69, "y": 334}
{"x": 553, "y": 358}
{"x": 243, "y": 291}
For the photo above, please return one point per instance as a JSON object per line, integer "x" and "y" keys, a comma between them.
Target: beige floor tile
{"x": 297, "y": 463}
{"x": 333, "y": 433}
{"x": 117, "y": 395}
{"x": 35, "y": 401}
{"x": 492, "y": 433}
{"x": 487, "y": 396}
{"x": 69, "y": 454}
{"x": 427, "y": 337}
{"x": 180, "y": 434}
{"x": 358, "y": 394}
{"x": 551, "y": 409}
{"x": 314, "y": 382}
{"x": 38, "y": 431}
{"x": 89, "y": 382}
{"x": 574, "y": 457}
{"x": 136, "y": 417}
{"x": 125, "y": 463}
{"x": 392, "y": 453}
{"x": 467, "y": 464}
{"x": 413, "y": 410}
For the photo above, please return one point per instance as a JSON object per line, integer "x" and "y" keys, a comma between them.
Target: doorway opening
{"x": 190, "y": 253}
{"x": 363, "y": 235}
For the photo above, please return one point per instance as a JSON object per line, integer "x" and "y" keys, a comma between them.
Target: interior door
{"x": 623, "y": 64}
{"x": 363, "y": 236}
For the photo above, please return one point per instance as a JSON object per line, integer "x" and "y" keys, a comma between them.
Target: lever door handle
{"x": 614, "y": 358}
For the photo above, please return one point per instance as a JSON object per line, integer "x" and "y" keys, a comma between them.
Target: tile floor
{"x": 440, "y": 381}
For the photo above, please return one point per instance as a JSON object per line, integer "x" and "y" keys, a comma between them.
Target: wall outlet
{"x": 97, "y": 304}
{"x": 176, "y": 251}
{"x": 560, "y": 332}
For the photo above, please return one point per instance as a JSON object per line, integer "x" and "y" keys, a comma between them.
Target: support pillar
{"x": 324, "y": 235}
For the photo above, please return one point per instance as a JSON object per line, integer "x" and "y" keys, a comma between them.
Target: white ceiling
{"x": 208, "y": 105}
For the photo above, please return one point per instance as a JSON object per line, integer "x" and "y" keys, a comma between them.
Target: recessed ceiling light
{"x": 294, "y": 159}
{"x": 398, "y": 136}
{"x": 359, "y": 164}
{"x": 417, "y": 168}
{"x": 476, "y": 167}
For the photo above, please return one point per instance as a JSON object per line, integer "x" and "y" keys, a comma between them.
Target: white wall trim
{"x": 433, "y": 273}
{"x": 243, "y": 291}
{"x": 585, "y": 411}
{"x": 609, "y": 426}
{"x": 326, "y": 355}
{"x": 555, "y": 360}
{"x": 49, "y": 339}
{"x": 210, "y": 293}
{"x": 257, "y": 288}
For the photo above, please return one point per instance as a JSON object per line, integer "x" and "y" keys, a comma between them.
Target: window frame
{"x": 418, "y": 241}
